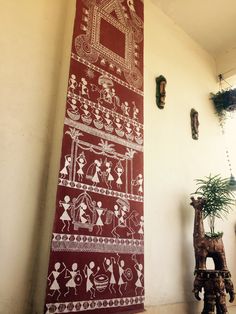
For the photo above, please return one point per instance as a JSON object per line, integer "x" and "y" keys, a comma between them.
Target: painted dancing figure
{"x": 88, "y": 272}
{"x": 119, "y": 171}
{"x": 100, "y": 212}
{"x": 65, "y": 217}
{"x": 81, "y": 161}
{"x": 54, "y": 286}
{"x": 97, "y": 172}
{"x": 75, "y": 278}
{"x": 64, "y": 171}
{"x": 138, "y": 182}
{"x": 108, "y": 265}
{"x": 109, "y": 177}
{"x": 121, "y": 265}
{"x": 138, "y": 284}
{"x": 84, "y": 91}
{"x": 72, "y": 83}
{"x": 141, "y": 229}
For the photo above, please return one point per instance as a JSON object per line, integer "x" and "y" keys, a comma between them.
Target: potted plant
{"x": 224, "y": 100}
{"x": 218, "y": 197}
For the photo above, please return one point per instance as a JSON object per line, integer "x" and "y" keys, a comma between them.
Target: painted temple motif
{"x": 96, "y": 261}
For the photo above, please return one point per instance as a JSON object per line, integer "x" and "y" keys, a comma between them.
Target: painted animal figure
{"x": 205, "y": 246}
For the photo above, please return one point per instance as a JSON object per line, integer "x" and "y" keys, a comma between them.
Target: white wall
{"x": 173, "y": 160}
{"x": 35, "y": 49}
{"x": 31, "y": 36}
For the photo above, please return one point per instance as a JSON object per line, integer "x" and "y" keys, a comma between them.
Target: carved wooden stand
{"x": 215, "y": 285}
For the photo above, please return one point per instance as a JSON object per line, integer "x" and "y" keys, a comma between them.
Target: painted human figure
{"x": 118, "y": 124}
{"x": 129, "y": 131}
{"x": 54, "y": 285}
{"x": 100, "y": 212}
{"x": 141, "y": 229}
{"x": 138, "y": 284}
{"x": 81, "y": 161}
{"x": 97, "y": 172}
{"x": 73, "y": 104}
{"x": 108, "y": 265}
{"x": 115, "y": 99}
{"x": 108, "y": 119}
{"x": 121, "y": 282}
{"x": 97, "y": 115}
{"x": 121, "y": 214}
{"x": 119, "y": 128}
{"x": 119, "y": 171}
{"x": 84, "y": 91}
{"x": 109, "y": 177}
{"x": 84, "y": 107}
{"x": 138, "y": 182}
{"x": 64, "y": 171}
{"x": 72, "y": 83}
{"x": 83, "y": 217}
{"x": 109, "y": 124}
{"x": 89, "y": 271}
{"x": 75, "y": 278}
{"x": 135, "y": 111}
{"x": 65, "y": 217}
{"x": 125, "y": 108}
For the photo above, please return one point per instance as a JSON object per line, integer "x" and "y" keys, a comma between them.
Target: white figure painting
{"x": 121, "y": 281}
{"x": 75, "y": 278}
{"x": 86, "y": 115}
{"x": 89, "y": 272}
{"x": 73, "y": 104}
{"x": 139, "y": 287}
{"x": 115, "y": 99}
{"x": 138, "y": 181}
{"x": 108, "y": 265}
{"x": 72, "y": 83}
{"x": 100, "y": 212}
{"x": 83, "y": 217}
{"x": 94, "y": 172}
{"x": 108, "y": 176}
{"x": 65, "y": 217}
{"x": 125, "y": 108}
{"x": 81, "y": 161}
{"x": 98, "y": 121}
{"x": 124, "y": 219}
{"x": 119, "y": 171}
{"x": 53, "y": 283}
{"x": 129, "y": 131}
{"x": 141, "y": 229}
{"x": 84, "y": 91}
{"x": 108, "y": 124}
{"x": 119, "y": 128}
{"x": 135, "y": 111}
{"x": 67, "y": 164}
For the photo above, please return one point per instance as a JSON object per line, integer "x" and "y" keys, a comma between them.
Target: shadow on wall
{"x": 187, "y": 254}
{"x": 38, "y": 242}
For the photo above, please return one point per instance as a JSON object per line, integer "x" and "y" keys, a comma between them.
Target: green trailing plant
{"x": 218, "y": 199}
{"x": 224, "y": 100}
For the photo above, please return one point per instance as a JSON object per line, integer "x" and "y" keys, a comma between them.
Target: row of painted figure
{"x": 112, "y": 276}
{"x": 96, "y": 175}
{"x": 85, "y": 213}
{"x": 106, "y": 94}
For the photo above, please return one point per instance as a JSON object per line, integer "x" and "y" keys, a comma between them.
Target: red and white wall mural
{"x": 96, "y": 260}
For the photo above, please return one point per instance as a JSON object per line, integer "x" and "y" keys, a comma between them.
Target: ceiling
{"x": 211, "y": 23}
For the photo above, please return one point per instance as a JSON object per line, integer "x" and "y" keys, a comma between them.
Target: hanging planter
{"x": 224, "y": 100}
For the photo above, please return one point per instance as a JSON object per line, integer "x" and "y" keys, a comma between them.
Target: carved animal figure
{"x": 206, "y": 246}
